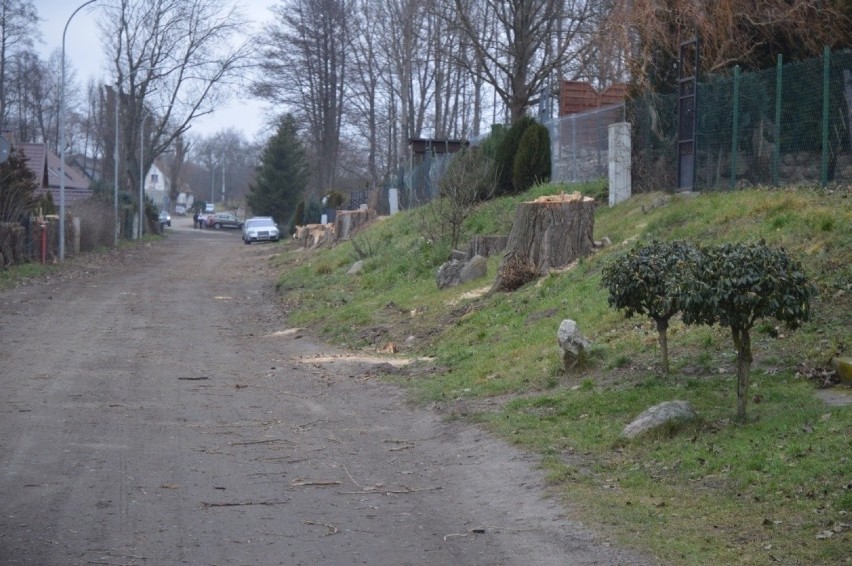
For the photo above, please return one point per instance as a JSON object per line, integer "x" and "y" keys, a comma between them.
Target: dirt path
{"x": 153, "y": 413}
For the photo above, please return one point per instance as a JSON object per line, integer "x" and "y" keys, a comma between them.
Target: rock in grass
{"x": 843, "y": 367}
{"x": 668, "y": 414}
{"x": 574, "y": 345}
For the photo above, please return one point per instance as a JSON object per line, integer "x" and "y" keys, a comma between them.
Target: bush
{"x": 532, "y": 162}
{"x": 735, "y": 285}
{"x": 469, "y": 175}
{"x": 505, "y": 155}
{"x": 645, "y": 281}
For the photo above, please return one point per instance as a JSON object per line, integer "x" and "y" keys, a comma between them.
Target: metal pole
{"x": 62, "y": 136}
{"x": 776, "y": 152}
{"x": 141, "y": 173}
{"x": 115, "y": 172}
{"x": 826, "y": 69}
{"x": 735, "y": 127}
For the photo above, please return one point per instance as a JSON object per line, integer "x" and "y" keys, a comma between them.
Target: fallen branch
{"x": 475, "y": 530}
{"x": 382, "y": 489}
{"x": 332, "y": 530}
{"x": 205, "y": 504}
{"x": 268, "y": 441}
{"x": 301, "y": 482}
{"x": 200, "y": 378}
{"x": 406, "y": 444}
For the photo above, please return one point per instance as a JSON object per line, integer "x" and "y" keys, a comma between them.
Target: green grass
{"x": 711, "y": 493}
{"x": 11, "y": 276}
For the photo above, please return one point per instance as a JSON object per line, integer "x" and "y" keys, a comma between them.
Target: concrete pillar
{"x": 393, "y": 201}
{"x": 619, "y": 163}
{"x": 75, "y": 230}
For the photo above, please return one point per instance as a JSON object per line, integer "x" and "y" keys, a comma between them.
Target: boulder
{"x": 356, "y": 268}
{"x": 574, "y": 345}
{"x": 475, "y": 268}
{"x": 449, "y": 274}
{"x": 459, "y": 255}
{"x": 843, "y": 367}
{"x": 456, "y": 271}
{"x": 667, "y": 414}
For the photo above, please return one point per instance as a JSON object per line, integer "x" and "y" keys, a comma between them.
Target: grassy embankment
{"x": 776, "y": 490}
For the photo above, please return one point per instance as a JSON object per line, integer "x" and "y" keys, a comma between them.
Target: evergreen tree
{"x": 282, "y": 175}
{"x": 505, "y": 155}
{"x": 532, "y": 161}
{"x": 17, "y": 188}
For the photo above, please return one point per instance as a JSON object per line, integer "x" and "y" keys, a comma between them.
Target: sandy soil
{"x": 158, "y": 409}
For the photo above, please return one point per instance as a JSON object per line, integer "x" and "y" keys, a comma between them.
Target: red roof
{"x": 74, "y": 178}
{"x": 35, "y": 154}
{"x": 46, "y": 166}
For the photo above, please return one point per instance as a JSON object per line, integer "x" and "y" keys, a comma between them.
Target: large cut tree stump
{"x": 547, "y": 233}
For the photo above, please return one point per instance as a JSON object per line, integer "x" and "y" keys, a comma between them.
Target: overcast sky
{"x": 83, "y": 51}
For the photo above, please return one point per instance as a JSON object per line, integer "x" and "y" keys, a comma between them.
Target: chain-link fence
{"x": 420, "y": 182}
{"x": 782, "y": 126}
{"x": 579, "y": 144}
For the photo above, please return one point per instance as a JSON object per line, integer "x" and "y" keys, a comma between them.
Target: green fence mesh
{"x": 787, "y": 125}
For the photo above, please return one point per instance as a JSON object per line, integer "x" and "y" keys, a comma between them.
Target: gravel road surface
{"x": 156, "y": 410}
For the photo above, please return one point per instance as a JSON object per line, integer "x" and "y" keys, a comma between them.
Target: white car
{"x": 260, "y": 229}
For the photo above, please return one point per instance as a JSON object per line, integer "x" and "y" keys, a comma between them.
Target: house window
{"x": 154, "y": 178}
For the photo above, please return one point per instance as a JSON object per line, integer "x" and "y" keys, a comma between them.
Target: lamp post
{"x": 142, "y": 171}
{"x": 62, "y": 136}
{"x": 115, "y": 170}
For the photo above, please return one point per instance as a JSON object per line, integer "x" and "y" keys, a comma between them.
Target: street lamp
{"x": 115, "y": 171}
{"x": 142, "y": 169}
{"x": 62, "y": 137}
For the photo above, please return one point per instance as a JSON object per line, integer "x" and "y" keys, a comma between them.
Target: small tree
{"x": 505, "y": 155}
{"x": 643, "y": 281}
{"x": 532, "y": 162}
{"x": 735, "y": 285}
{"x": 17, "y": 188}
{"x": 282, "y": 175}
{"x": 469, "y": 177}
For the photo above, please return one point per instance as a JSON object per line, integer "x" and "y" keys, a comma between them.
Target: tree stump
{"x": 547, "y": 233}
{"x": 348, "y": 221}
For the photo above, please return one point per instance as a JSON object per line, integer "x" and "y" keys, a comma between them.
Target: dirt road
{"x": 154, "y": 410}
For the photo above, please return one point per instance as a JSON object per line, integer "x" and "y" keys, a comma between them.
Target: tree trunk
{"x": 662, "y": 329}
{"x": 742, "y": 340}
{"x": 548, "y": 233}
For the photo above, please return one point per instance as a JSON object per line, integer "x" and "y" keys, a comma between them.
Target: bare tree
{"x": 175, "y": 167}
{"x": 174, "y": 60}
{"x": 367, "y": 68}
{"x": 731, "y": 32}
{"x": 18, "y": 21}
{"x": 412, "y": 79}
{"x": 531, "y": 41}
{"x": 304, "y": 66}
{"x": 222, "y": 160}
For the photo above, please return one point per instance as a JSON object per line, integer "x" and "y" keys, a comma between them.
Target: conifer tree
{"x": 282, "y": 175}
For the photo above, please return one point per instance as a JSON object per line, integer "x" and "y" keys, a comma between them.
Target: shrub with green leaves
{"x": 644, "y": 281}
{"x": 735, "y": 285}
{"x": 505, "y": 155}
{"x": 532, "y": 162}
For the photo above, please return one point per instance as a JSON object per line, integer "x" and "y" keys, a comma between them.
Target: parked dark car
{"x": 222, "y": 220}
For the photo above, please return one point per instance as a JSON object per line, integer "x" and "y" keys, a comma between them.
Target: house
{"x": 46, "y": 166}
{"x": 157, "y": 185}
